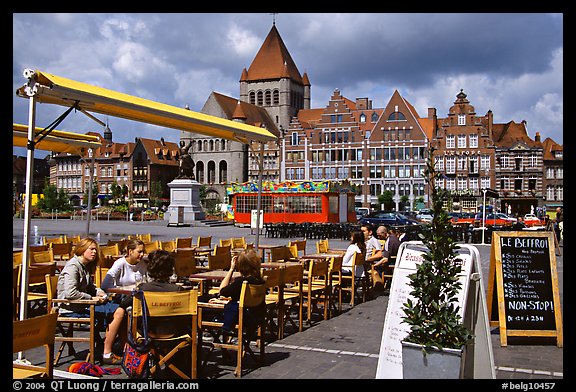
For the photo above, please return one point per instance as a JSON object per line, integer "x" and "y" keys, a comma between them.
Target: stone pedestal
{"x": 184, "y": 207}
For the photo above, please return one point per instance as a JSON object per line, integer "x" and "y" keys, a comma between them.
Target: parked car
{"x": 361, "y": 211}
{"x": 531, "y": 220}
{"x": 492, "y": 220}
{"x": 388, "y": 218}
{"x": 506, "y": 217}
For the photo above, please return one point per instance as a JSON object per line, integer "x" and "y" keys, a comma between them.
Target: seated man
{"x": 390, "y": 250}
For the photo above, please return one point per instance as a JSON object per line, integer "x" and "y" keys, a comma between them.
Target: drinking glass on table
{"x": 138, "y": 278}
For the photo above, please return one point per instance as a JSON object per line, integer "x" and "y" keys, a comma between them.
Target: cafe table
{"x": 264, "y": 247}
{"x": 279, "y": 264}
{"x": 213, "y": 275}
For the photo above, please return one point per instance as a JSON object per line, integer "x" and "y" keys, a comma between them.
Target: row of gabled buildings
{"x": 378, "y": 149}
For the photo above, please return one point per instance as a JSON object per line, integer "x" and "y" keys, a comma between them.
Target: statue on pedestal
{"x": 186, "y": 162}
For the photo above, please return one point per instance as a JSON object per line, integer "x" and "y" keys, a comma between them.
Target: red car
{"x": 531, "y": 220}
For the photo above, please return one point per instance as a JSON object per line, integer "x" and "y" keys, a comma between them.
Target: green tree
{"x": 155, "y": 193}
{"x": 94, "y": 194}
{"x": 53, "y": 199}
{"x": 386, "y": 199}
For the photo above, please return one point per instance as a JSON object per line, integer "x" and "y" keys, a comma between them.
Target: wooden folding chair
{"x": 168, "y": 246}
{"x": 356, "y": 285}
{"x": 42, "y": 256}
{"x": 226, "y": 242}
{"x": 300, "y": 246}
{"x": 322, "y": 246}
{"x": 252, "y": 296}
{"x": 107, "y": 253}
{"x": 37, "y": 248}
{"x": 315, "y": 288}
{"x": 121, "y": 244}
{"x": 274, "y": 300}
{"x": 62, "y": 251}
{"x": 389, "y": 272}
{"x": 66, "y": 326}
{"x": 165, "y": 305}
{"x": 185, "y": 262}
{"x": 37, "y": 299}
{"x": 145, "y": 237}
{"x": 29, "y": 334}
{"x": 151, "y": 246}
{"x": 184, "y": 242}
{"x": 281, "y": 253}
{"x": 292, "y": 296}
{"x": 335, "y": 276}
{"x": 49, "y": 240}
{"x": 72, "y": 238}
{"x": 222, "y": 249}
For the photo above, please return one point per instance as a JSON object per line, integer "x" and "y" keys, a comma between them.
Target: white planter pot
{"x": 444, "y": 364}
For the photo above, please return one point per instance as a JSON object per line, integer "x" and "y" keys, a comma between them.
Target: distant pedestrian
{"x": 559, "y": 224}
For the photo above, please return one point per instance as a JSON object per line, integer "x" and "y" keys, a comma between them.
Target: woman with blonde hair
{"x": 75, "y": 282}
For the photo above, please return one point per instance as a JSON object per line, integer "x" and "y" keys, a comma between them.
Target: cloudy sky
{"x": 509, "y": 63}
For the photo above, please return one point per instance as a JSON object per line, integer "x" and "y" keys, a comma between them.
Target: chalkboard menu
{"x": 525, "y": 301}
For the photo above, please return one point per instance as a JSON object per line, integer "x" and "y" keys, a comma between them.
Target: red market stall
{"x": 295, "y": 201}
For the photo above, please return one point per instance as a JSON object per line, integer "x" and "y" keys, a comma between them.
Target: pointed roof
{"x": 550, "y": 147}
{"x": 253, "y": 115}
{"x": 273, "y": 61}
{"x": 507, "y": 135}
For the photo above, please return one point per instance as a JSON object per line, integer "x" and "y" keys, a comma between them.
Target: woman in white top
{"x": 124, "y": 270}
{"x": 357, "y": 245}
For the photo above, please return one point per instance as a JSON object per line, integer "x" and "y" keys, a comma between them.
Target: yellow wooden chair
{"x": 166, "y": 305}
{"x": 292, "y": 277}
{"x": 322, "y": 246}
{"x": 251, "y": 296}
{"x": 152, "y": 246}
{"x": 49, "y": 240}
{"x": 67, "y": 326}
{"x": 145, "y": 237}
{"x": 62, "y": 251}
{"x": 300, "y": 246}
{"x": 29, "y": 334}
{"x": 184, "y": 242}
{"x": 42, "y": 256}
{"x": 72, "y": 238}
{"x": 356, "y": 285}
{"x": 168, "y": 246}
{"x": 274, "y": 299}
{"x": 37, "y": 298}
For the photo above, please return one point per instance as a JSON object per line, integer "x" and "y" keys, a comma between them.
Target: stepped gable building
{"x": 553, "y": 169}
{"x": 519, "y": 168}
{"x": 465, "y": 153}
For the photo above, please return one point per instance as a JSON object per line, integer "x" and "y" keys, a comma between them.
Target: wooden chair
{"x": 185, "y": 264}
{"x": 37, "y": 248}
{"x": 168, "y": 246}
{"x": 226, "y": 242}
{"x": 315, "y": 288}
{"x": 43, "y": 256}
{"x": 184, "y": 242}
{"x": 292, "y": 277}
{"x": 50, "y": 240}
{"x": 281, "y": 253}
{"x": 221, "y": 261}
{"x": 222, "y": 249}
{"x": 99, "y": 274}
{"x": 300, "y": 246}
{"x": 356, "y": 285}
{"x": 106, "y": 254}
{"x": 151, "y": 246}
{"x": 29, "y": 334}
{"x": 66, "y": 326}
{"x": 335, "y": 276}
{"x": 16, "y": 259}
{"x": 322, "y": 246}
{"x": 37, "y": 298}
{"x": 62, "y": 251}
{"x": 251, "y": 296}
{"x": 121, "y": 244}
{"x": 73, "y": 239}
{"x": 15, "y": 292}
{"x": 389, "y": 272}
{"x": 274, "y": 299}
{"x": 167, "y": 305}
{"x": 145, "y": 237}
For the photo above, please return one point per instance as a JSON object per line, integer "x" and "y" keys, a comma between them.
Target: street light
{"x": 484, "y": 215}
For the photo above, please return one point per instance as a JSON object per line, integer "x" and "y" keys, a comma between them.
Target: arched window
{"x": 276, "y": 97}
{"x": 260, "y": 98}
{"x": 211, "y": 145}
{"x": 205, "y": 145}
{"x": 396, "y": 116}
{"x": 362, "y": 118}
{"x": 222, "y": 145}
{"x": 268, "y": 97}
{"x": 252, "y": 97}
{"x": 211, "y": 172}
{"x": 200, "y": 172}
{"x": 199, "y": 147}
{"x": 374, "y": 117}
{"x": 223, "y": 171}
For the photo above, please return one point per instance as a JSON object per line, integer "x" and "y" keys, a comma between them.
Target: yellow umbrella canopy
{"x": 59, "y": 141}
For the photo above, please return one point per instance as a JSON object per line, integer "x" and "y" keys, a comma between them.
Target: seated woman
{"x": 126, "y": 271}
{"x": 248, "y": 264}
{"x": 74, "y": 282}
{"x": 357, "y": 245}
{"x": 160, "y": 269}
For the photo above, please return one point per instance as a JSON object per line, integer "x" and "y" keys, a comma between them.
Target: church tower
{"x": 273, "y": 82}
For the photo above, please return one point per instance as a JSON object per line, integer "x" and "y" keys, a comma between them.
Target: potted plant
{"x": 436, "y": 328}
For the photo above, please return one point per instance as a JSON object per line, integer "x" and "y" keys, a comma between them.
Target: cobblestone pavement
{"x": 344, "y": 347}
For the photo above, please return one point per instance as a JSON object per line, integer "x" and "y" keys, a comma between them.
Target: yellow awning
{"x": 58, "y": 141}
{"x": 66, "y": 92}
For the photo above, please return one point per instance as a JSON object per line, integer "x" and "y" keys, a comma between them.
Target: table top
{"x": 214, "y": 275}
{"x": 269, "y": 246}
{"x": 122, "y": 289}
{"x": 321, "y": 255}
{"x": 279, "y": 264}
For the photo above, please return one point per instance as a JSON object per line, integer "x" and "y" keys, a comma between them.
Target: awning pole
{"x": 23, "y": 311}
{"x": 483, "y": 216}
{"x": 90, "y": 185}
{"x": 259, "y": 202}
